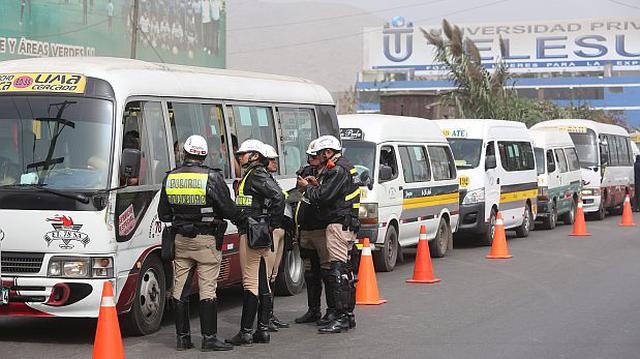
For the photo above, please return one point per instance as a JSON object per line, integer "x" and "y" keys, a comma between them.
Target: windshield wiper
{"x": 77, "y": 196}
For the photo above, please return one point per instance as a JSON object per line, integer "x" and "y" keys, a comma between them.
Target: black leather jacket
{"x": 306, "y": 214}
{"x": 337, "y": 196}
{"x": 202, "y": 211}
{"x": 266, "y": 197}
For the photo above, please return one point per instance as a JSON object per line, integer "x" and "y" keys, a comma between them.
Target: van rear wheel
{"x": 439, "y": 245}
{"x": 552, "y": 219}
{"x": 570, "y": 217}
{"x": 385, "y": 259}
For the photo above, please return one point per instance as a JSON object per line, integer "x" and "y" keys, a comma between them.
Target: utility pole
{"x": 134, "y": 29}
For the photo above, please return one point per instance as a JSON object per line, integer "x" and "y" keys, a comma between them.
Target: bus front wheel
{"x": 149, "y": 303}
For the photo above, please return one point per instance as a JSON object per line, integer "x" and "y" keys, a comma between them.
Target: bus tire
{"x": 439, "y": 245}
{"x": 570, "y": 217}
{"x": 386, "y": 258}
{"x": 145, "y": 316}
{"x": 487, "y": 238}
{"x": 290, "y": 279}
{"x": 551, "y": 220}
{"x": 527, "y": 221}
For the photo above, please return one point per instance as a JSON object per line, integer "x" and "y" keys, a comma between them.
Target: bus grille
{"x": 225, "y": 267}
{"x": 20, "y": 262}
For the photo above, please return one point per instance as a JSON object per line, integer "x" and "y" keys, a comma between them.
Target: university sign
{"x": 527, "y": 47}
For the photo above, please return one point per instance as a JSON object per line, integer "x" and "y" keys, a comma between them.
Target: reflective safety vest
{"x": 186, "y": 189}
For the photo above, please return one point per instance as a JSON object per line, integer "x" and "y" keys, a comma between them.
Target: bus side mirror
{"x": 385, "y": 173}
{"x": 130, "y": 163}
{"x": 490, "y": 162}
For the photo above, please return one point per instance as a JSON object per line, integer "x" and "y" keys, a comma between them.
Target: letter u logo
{"x": 398, "y": 54}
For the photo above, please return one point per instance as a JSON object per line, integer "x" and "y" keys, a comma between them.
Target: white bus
{"x": 71, "y": 218}
{"x": 606, "y": 160}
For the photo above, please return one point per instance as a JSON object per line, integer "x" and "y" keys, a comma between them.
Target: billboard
{"x": 529, "y": 46}
{"x": 188, "y": 32}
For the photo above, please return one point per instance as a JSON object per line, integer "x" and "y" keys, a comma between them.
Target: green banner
{"x": 190, "y": 32}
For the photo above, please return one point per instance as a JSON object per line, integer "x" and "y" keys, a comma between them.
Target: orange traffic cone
{"x": 423, "y": 270}
{"x": 367, "y": 287}
{"x": 627, "y": 214}
{"x": 108, "y": 342}
{"x": 499, "y": 248}
{"x": 580, "y": 226}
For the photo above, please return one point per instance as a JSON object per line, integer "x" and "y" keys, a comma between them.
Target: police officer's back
{"x": 196, "y": 200}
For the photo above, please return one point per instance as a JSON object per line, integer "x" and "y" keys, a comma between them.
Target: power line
{"x": 321, "y": 19}
{"x": 624, "y": 4}
{"x": 361, "y": 32}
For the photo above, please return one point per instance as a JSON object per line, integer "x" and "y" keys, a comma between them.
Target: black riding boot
{"x": 209, "y": 327}
{"x": 274, "y": 322}
{"x": 337, "y": 283}
{"x": 261, "y": 334}
{"x": 249, "y": 308}
{"x": 314, "y": 291}
{"x": 330, "y": 315}
{"x": 183, "y": 332}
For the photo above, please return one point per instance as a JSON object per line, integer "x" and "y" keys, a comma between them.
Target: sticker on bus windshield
{"x": 574, "y": 129}
{"x": 459, "y": 133}
{"x": 43, "y": 82}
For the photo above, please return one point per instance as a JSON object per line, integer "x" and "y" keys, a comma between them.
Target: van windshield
{"x": 466, "y": 152}
{"x": 58, "y": 142}
{"x": 361, "y": 154}
{"x": 587, "y": 148}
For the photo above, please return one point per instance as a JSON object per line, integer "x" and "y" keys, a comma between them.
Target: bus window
{"x": 135, "y": 137}
{"x": 200, "y": 119}
{"x": 328, "y": 121}
{"x": 298, "y": 126}
{"x": 252, "y": 122}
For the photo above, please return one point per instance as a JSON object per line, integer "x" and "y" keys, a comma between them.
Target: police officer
{"x": 262, "y": 202}
{"x": 312, "y": 235}
{"x": 275, "y": 257}
{"x": 336, "y": 193}
{"x": 194, "y": 200}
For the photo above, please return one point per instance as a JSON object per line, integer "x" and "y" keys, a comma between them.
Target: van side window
{"x": 540, "y": 163}
{"x": 551, "y": 162}
{"x": 516, "y": 156}
{"x": 441, "y": 163}
{"x": 144, "y": 130}
{"x": 298, "y": 128}
{"x": 205, "y": 120}
{"x": 388, "y": 159}
{"x": 572, "y": 158}
{"x": 562, "y": 161}
{"x": 490, "y": 150}
{"x": 415, "y": 165}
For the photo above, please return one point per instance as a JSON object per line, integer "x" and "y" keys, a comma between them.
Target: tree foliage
{"x": 480, "y": 93}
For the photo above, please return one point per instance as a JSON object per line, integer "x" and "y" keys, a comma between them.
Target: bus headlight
{"x": 473, "y": 197}
{"x": 78, "y": 267}
{"x": 368, "y": 213}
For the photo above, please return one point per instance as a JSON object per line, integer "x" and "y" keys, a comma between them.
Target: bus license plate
{"x": 4, "y": 296}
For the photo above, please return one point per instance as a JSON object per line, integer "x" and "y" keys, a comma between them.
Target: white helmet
{"x": 327, "y": 142}
{"x": 196, "y": 145}
{"x": 311, "y": 150}
{"x": 251, "y": 145}
{"x": 270, "y": 152}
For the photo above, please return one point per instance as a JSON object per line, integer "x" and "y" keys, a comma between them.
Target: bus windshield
{"x": 361, "y": 154}
{"x": 466, "y": 152}
{"x": 587, "y": 148}
{"x": 58, "y": 142}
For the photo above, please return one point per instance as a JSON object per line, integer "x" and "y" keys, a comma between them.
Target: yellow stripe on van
{"x": 518, "y": 196}
{"x": 420, "y": 202}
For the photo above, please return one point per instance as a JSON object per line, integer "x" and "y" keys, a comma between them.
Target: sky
{"x": 319, "y": 40}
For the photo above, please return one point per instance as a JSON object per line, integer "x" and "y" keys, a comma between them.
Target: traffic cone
{"x": 108, "y": 342}
{"x": 627, "y": 214}
{"x": 499, "y": 248}
{"x": 580, "y": 226}
{"x": 367, "y": 286}
{"x": 423, "y": 270}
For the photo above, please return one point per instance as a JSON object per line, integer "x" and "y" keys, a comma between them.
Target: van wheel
{"x": 551, "y": 221}
{"x": 602, "y": 212}
{"x": 385, "y": 259}
{"x": 525, "y": 227}
{"x": 149, "y": 303}
{"x": 487, "y": 237}
{"x": 570, "y": 217}
{"x": 439, "y": 245}
{"x": 290, "y": 279}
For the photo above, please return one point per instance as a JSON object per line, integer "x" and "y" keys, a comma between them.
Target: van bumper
{"x": 472, "y": 218}
{"x": 591, "y": 203}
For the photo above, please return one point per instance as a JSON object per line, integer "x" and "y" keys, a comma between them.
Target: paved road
{"x": 559, "y": 297}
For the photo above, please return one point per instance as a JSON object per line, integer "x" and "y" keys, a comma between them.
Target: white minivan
{"x": 497, "y": 171}
{"x": 559, "y": 178}
{"x": 412, "y": 181}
